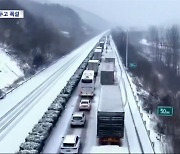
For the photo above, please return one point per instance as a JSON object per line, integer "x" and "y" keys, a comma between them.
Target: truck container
{"x": 97, "y": 54}
{"x": 109, "y": 57}
{"x": 101, "y": 44}
{"x": 110, "y": 115}
{"x": 107, "y": 73}
{"x": 99, "y": 48}
{"x": 93, "y": 65}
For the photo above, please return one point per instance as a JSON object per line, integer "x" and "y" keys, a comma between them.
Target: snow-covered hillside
{"x": 9, "y": 69}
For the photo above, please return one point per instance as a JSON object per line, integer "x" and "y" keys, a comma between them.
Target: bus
{"x": 87, "y": 84}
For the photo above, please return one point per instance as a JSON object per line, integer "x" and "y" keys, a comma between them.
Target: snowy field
{"x": 9, "y": 70}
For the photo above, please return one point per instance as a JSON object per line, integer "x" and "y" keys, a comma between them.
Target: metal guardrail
{"x": 148, "y": 131}
{"x": 144, "y": 122}
{"x": 127, "y": 103}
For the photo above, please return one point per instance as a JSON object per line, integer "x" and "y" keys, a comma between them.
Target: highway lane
{"x": 17, "y": 134}
{"x": 133, "y": 139}
{"x": 21, "y": 92}
{"x": 88, "y": 134}
{"x": 13, "y": 116}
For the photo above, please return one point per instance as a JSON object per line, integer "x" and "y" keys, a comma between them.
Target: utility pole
{"x": 127, "y": 50}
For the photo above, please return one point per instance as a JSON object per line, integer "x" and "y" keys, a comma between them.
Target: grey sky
{"x": 131, "y": 12}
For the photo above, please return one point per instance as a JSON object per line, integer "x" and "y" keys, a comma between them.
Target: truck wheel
{"x": 120, "y": 143}
{"x": 100, "y": 142}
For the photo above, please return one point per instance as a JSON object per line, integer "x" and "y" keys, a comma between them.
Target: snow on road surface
{"x": 88, "y": 135}
{"x": 15, "y": 135}
{"x": 9, "y": 69}
{"x": 108, "y": 149}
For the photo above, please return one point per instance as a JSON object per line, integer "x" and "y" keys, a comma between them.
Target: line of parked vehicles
{"x": 71, "y": 142}
{"x": 110, "y": 112}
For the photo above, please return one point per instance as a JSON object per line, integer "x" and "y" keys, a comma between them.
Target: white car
{"x": 85, "y": 104}
{"x": 70, "y": 144}
{"x": 78, "y": 119}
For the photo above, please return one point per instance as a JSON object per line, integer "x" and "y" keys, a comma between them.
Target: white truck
{"x": 101, "y": 44}
{"x": 97, "y": 54}
{"x": 107, "y": 76}
{"x": 93, "y": 65}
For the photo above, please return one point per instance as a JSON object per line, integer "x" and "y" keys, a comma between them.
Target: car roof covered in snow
{"x": 77, "y": 114}
{"x": 98, "y": 50}
{"x": 93, "y": 61}
{"x": 85, "y": 100}
{"x": 70, "y": 139}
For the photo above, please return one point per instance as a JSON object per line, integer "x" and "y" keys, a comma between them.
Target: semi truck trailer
{"x": 97, "y": 54}
{"x": 107, "y": 76}
{"x": 93, "y": 65}
{"x": 110, "y": 116}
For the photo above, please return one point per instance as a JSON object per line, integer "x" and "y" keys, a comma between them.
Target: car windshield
{"x": 68, "y": 144}
{"x": 84, "y": 102}
{"x": 77, "y": 118}
{"x": 86, "y": 80}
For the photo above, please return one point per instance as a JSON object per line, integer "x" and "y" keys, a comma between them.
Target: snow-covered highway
{"x": 131, "y": 143}
{"x": 37, "y": 97}
{"x": 22, "y": 108}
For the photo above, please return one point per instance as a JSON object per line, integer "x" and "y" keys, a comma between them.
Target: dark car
{"x": 2, "y": 94}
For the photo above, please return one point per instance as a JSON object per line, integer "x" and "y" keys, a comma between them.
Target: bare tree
{"x": 154, "y": 37}
{"x": 162, "y": 37}
{"x": 173, "y": 38}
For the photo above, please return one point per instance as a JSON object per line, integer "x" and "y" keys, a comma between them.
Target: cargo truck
{"x": 101, "y": 44}
{"x": 109, "y": 57}
{"x": 93, "y": 65}
{"x": 99, "y": 48}
{"x": 110, "y": 116}
{"x": 107, "y": 75}
{"x": 97, "y": 54}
